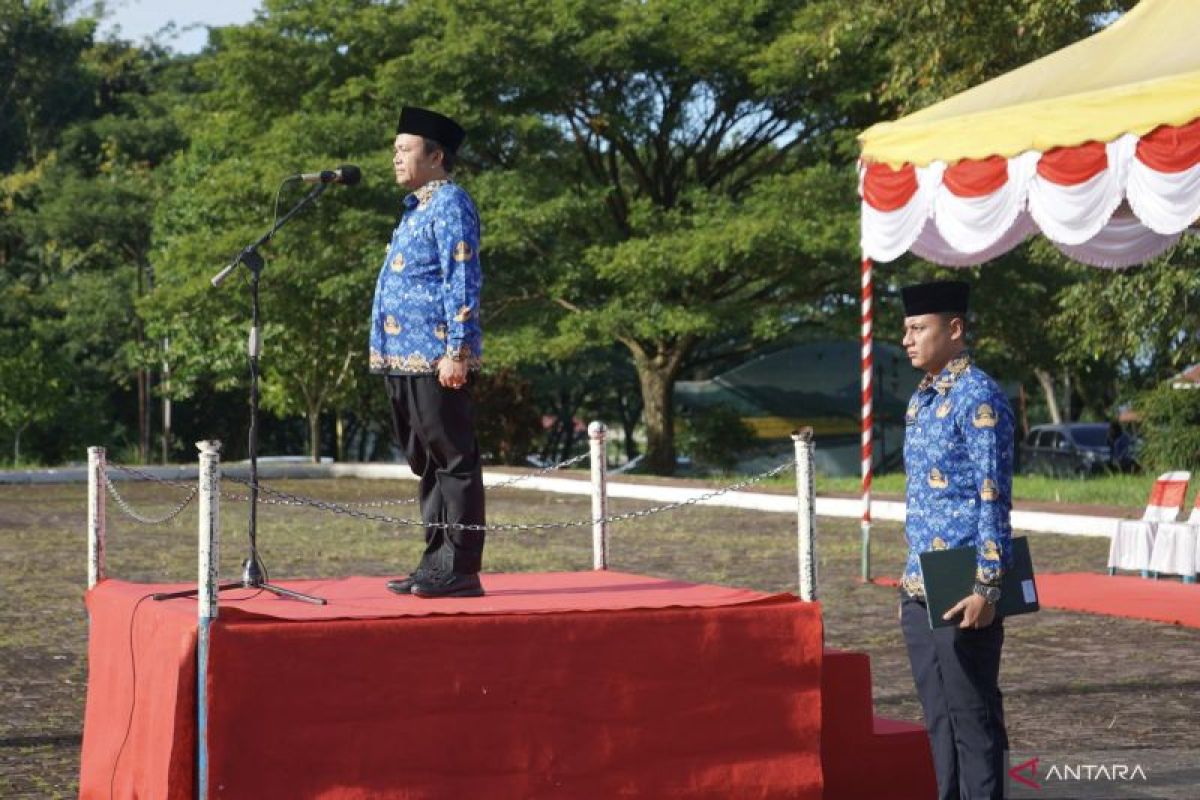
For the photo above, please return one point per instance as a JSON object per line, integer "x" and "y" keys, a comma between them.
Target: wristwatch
{"x": 991, "y": 594}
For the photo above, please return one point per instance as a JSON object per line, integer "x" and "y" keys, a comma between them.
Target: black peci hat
{"x": 937, "y": 297}
{"x": 431, "y": 125}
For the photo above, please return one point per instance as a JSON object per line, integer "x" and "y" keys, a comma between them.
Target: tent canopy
{"x": 1141, "y": 72}
{"x": 1097, "y": 146}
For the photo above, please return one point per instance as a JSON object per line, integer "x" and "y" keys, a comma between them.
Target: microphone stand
{"x": 253, "y": 571}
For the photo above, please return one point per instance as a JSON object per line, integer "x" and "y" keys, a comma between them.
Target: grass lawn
{"x": 1108, "y": 490}
{"x": 1071, "y": 681}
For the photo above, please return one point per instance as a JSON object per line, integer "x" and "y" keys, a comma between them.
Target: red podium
{"x": 564, "y": 685}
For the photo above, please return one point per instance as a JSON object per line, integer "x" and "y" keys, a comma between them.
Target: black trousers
{"x": 957, "y": 676}
{"x": 436, "y": 428}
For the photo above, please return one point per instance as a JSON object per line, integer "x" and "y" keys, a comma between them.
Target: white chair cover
{"x": 1133, "y": 543}
{"x": 1175, "y": 547}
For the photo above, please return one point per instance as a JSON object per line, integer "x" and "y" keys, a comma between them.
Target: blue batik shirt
{"x": 427, "y": 296}
{"x": 958, "y": 461}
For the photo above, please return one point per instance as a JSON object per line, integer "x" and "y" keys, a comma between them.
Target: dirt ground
{"x": 1072, "y": 682}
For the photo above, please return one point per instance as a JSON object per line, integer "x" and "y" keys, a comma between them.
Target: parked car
{"x": 1076, "y": 448}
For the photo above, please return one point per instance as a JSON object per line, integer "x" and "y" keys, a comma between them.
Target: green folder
{"x": 950, "y": 574}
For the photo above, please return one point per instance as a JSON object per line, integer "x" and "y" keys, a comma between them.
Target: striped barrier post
{"x": 868, "y": 419}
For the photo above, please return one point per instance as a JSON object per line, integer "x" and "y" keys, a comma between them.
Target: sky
{"x": 139, "y": 19}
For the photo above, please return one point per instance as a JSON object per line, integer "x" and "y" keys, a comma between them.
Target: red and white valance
{"x": 1111, "y": 204}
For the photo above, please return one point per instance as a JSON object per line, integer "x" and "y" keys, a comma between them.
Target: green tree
{"x": 44, "y": 83}
{"x": 1170, "y": 427}
{"x": 76, "y": 202}
{"x": 282, "y": 96}
{"x": 679, "y": 138}
{"x": 32, "y": 382}
{"x": 1145, "y": 321}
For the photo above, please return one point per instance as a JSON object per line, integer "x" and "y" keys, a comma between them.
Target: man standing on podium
{"x": 427, "y": 342}
{"x": 958, "y": 461}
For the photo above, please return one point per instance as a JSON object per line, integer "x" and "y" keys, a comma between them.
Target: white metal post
{"x": 96, "y": 497}
{"x": 210, "y": 540}
{"x": 806, "y": 518}
{"x": 597, "y": 434}
{"x": 209, "y": 526}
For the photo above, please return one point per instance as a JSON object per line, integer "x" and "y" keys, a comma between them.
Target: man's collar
{"x": 420, "y": 198}
{"x": 946, "y": 378}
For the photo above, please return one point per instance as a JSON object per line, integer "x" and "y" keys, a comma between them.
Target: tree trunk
{"x": 314, "y": 435}
{"x": 340, "y": 432}
{"x": 143, "y": 416}
{"x": 143, "y": 382}
{"x": 17, "y": 445}
{"x": 658, "y": 385}
{"x": 1066, "y": 403}
{"x": 1046, "y": 381}
{"x": 629, "y": 419}
{"x": 1023, "y": 403}
{"x": 165, "y": 387}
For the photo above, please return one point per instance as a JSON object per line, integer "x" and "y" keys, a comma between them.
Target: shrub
{"x": 1170, "y": 428}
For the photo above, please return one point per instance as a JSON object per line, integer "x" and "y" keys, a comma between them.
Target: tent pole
{"x": 868, "y": 312}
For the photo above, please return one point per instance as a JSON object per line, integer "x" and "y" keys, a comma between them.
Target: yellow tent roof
{"x": 1140, "y": 72}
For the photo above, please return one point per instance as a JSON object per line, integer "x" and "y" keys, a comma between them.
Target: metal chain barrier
{"x": 339, "y": 508}
{"x": 228, "y": 496}
{"x": 243, "y": 498}
{"x": 351, "y": 509}
{"x": 407, "y": 501}
{"x": 128, "y": 509}
{"x": 543, "y": 471}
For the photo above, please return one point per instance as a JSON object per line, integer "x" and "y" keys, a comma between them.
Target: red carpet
{"x": 572, "y": 685}
{"x": 1115, "y": 596}
{"x": 1122, "y": 596}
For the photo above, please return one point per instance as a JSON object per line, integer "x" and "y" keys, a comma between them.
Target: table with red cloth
{"x": 573, "y": 685}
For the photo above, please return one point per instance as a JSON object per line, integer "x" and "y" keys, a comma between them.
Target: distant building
{"x": 1188, "y": 379}
{"x": 817, "y": 384}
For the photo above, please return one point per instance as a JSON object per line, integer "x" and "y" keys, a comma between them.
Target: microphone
{"x": 346, "y": 173}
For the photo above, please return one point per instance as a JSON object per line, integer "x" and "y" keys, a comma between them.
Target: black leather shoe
{"x": 448, "y": 584}
{"x": 404, "y": 585}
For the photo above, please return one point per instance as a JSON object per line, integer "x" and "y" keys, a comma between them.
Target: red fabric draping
{"x": 888, "y": 189}
{"x": 1166, "y": 149}
{"x": 975, "y": 210}
{"x": 1068, "y": 166}
{"x": 607, "y": 686}
{"x": 1171, "y": 149}
{"x": 163, "y": 720}
{"x": 976, "y": 178}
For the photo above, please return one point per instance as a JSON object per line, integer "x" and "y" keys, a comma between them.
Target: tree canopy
{"x": 665, "y": 187}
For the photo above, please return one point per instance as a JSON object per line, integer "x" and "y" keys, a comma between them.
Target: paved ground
{"x": 1073, "y": 682}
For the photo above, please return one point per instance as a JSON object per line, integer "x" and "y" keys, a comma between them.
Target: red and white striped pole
{"x": 868, "y": 419}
